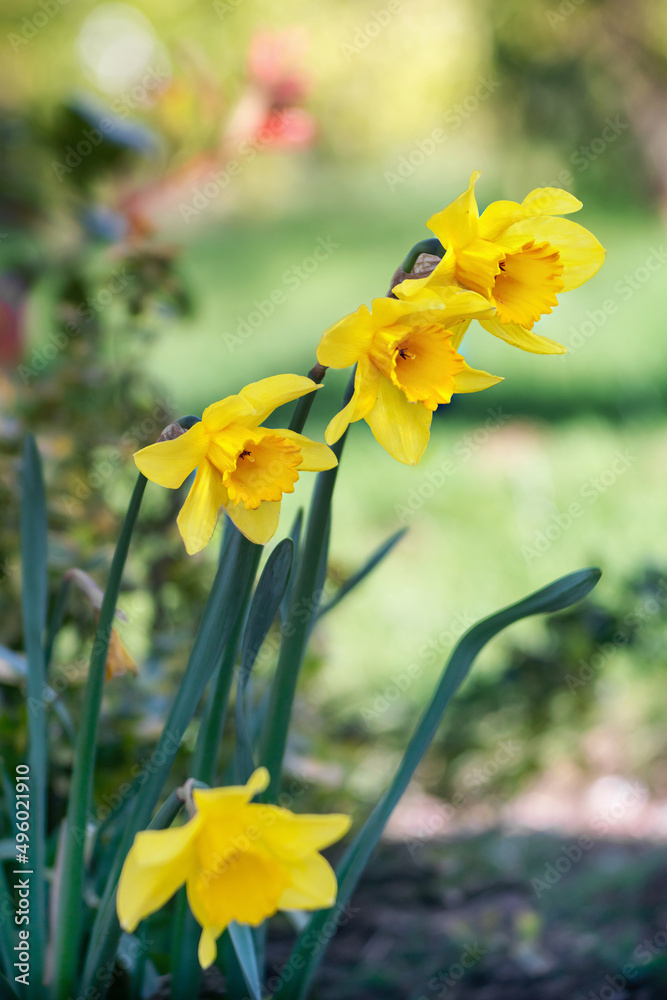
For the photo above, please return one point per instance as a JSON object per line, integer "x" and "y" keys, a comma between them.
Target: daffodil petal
{"x": 268, "y": 394}
{"x": 457, "y": 225}
{"x": 478, "y": 265}
{"x": 343, "y": 343}
{"x": 524, "y": 339}
{"x": 232, "y": 410}
{"x": 208, "y": 948}
{"x": 169, "y": 463}
{"x": 157, "y": 864}
{"x": 316, "y": 456}
{"x": 366, "y": 382}
{"x": 402, "y": 428}
{"x": 313, "y": 887}
{"x": 291, "y": 836}
{"x": 581, "y": 254}
{"x": 247, "y": 887}
{"x": 411, "y": 287}
{"x": 473, "y": 380}
{"x": 198, "y": 516}
{"x": 231, "y": 796}
{"x": 458, "y": 331}
{"x": 498, "y": 216}
{"x": 260, "y": 525}
{"x": 550, "y": 201}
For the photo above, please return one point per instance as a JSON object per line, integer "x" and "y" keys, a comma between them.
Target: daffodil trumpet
{"x": 241, "y": 466}
{"x": 519, "y": 256}
{"x": 407, "y": 365}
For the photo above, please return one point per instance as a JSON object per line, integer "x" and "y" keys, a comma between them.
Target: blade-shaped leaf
{"x": 68, "y": 926}
{"x": 7, "y": 940}
{"x": 34, "y": 600}
{"x": 302, "y": 609}
{"x": 295, "y": 535}
{"x": 226, "y": 603}
{"x": 264, "y": 608}
{"x": 361, "y": 574}
{"x": 558, "y": 595}
{"x": 244, "y": 946}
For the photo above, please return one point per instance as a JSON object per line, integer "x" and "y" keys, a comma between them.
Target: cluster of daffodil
{"x": 503, "y": 269}
{"x": 242, "y": 861}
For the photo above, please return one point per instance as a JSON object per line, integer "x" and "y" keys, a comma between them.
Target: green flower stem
{"x": 433, "y": 246}
{"x": 205, "y": 760}
{"x": 304, "y": 405}
{"x": 68, "y": 928}
{"x": 224, "y": 605}
{"x": 185, "y": 969}
{"x": 34, "y": 600}
{"x": 555, "y": 597}
{"x": 302, "y": 610}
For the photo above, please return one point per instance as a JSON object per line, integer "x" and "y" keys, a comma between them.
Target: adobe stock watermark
{"x": 614, "y": 987}
{"x": 31, "y": 26}
{"x": 648, "y": 609}
{"x": 107, "y": 973}
{"x": 136, "y": 97}
{"x": 625, "y": 288}
{"x": 291, "y": 280}
{"x": 582, "y": 157}
{"x": 85, "y": 312}
{"x": 144, "y": 431}
{"x": 312, "y": 943}
{"x": 439, "y": 986}
{"x": 438, "y": 822}
{"x": 430, "y": 653}
{"x": 571, "y": 854}
{"x": 590, "y": 491}
{"x": 452, "y": 119}
{"x": 377, "y": 22}
{"x": 567, "y": 8}
{"x": 224, "y": 8}
{"x": 218, "y": 180}
{"x": 463, "y": 450}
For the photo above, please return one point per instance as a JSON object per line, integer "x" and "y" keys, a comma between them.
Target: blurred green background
{"x": 168, "y": 167}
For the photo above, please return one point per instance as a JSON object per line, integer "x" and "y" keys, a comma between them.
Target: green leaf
{"x": 225, "y": 607}
{"x": 70, "y": 907}
{"x": 361, "y": 574}
{"x": 263, "y": 610}
{"x": 558, "y": 595}
{"x": 6, "y": 988}
{"x": 302, "y": 610}
{"x": 295, "y": 535}
{"x": 244, "y": 946}
{"x": 34, "y": 599}
{"x": 7, "y": 939}
{"x": 266, "y": 601}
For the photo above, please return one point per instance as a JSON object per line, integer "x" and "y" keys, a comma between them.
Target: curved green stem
{"x": 303, "y": 606}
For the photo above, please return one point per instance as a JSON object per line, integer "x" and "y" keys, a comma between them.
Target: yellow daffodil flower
{"x": 519, "y": 256}
{"x": 239, "y": 861}
{"x": 407, "y": 364}
{"x": 240, "y": 466}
